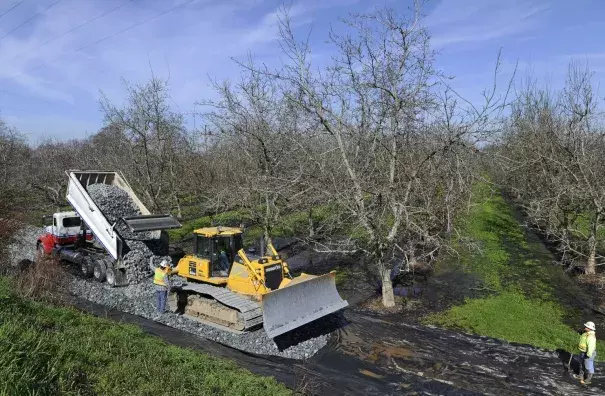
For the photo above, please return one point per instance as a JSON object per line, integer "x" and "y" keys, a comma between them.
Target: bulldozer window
{"x": 237, "y": 244}
{"x": 222, "y": 244}
{"x": 201, "y": 247}
{"x": 222, "y": 256}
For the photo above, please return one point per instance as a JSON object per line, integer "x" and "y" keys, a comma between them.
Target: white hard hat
{"x": 164, "y": 263}
{"x": 590, "y": 325}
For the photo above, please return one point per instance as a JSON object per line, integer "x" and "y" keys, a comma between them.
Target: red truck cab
{"x": 64, "y": 230}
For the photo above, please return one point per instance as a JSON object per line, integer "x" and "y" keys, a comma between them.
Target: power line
{"x": 30, "y": 18}
{"x": 102, "y": 39}
{"x": 12, "y": 8}
{"x": 134, "y": 26}
{"x": 74, "y": 29}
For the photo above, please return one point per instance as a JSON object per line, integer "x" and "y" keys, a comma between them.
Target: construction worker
{"x": 224, "y": 261}
{"x": 588, "y": 352}
{"x": 161, "y": 281}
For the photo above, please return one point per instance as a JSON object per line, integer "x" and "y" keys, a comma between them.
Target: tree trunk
{"x": 311, "y": 225}
{"x": 411, "y": 262}
{"x": 591, "y": 264}
{"x": 388, "y": 298}
{"x": 177, "y": 202}
{"x": 592, "y": 245}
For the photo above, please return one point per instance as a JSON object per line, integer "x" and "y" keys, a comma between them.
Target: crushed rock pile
{"x": 23, "y": 244}
{"x": 139, "y": 299}
{"x": 145, "y": 250}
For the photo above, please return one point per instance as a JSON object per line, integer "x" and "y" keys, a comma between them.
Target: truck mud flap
{"x": 121, "y": 279}
{"x": 302, "y": 301}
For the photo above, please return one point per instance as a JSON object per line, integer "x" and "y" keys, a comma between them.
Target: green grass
{"x": 524, "y": 302}
{"x": 49, "y": 351}
{"x": 513, "y": 317}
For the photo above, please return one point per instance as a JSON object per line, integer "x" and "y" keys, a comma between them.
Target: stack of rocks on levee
{"x": 144, "y": 249}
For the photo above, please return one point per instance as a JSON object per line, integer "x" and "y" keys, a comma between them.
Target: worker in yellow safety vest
{"x": 588, "y": 352}
{"x": 162, "y": 284}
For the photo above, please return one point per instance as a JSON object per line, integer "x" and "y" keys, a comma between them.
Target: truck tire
{"x": 87, "y": 267}
{"x": 110, "y": 274}
{"x": 99, "y": 271}
{"x": 25, "y": 265}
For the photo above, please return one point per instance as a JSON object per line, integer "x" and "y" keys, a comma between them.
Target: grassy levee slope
{"x": 46, "y": 350}
{"x": 525, "y": 298}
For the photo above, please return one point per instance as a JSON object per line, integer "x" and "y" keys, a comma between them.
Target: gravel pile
{"x": 115, "y": 203}
{"x": 139, "y": 299}
{"x": 145, "y": 250}
{"x": 23, "y": 246}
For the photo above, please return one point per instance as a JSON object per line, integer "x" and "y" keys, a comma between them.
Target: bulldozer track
{"x": 250, "y": 314}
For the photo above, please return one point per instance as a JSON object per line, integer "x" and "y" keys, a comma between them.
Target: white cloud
{"x": 188, "y": 43}
{"x": 455, "y": 22}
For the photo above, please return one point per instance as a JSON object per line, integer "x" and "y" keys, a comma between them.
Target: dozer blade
{"x": 301, "y": 302}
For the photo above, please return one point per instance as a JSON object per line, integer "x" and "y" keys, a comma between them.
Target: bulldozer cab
{"x": 218, "y": 245}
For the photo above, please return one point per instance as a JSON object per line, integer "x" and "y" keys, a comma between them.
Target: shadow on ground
{"x": 317, "y": 328}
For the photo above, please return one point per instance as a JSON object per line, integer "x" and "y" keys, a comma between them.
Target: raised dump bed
{"x": 104, "y": 231}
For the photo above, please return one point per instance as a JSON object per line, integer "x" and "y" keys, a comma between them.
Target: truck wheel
{"x": 87, "y": 268}
{"x": 111, "y": 277}
{"x": 99, "y": 271}
{"x": 25, "y": 265}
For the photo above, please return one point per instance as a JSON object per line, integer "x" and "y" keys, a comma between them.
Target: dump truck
{"x": 85, "y": 236}
{"x": 238, "y": 291}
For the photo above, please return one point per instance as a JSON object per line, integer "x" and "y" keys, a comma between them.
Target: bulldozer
{"x": 231, "y": 289}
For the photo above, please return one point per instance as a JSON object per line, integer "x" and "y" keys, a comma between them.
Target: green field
{"x": 527, "y": 299}
{"x": 46, "y": 350}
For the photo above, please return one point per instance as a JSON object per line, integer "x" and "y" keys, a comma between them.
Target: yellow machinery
{"x": 231, "y": 289}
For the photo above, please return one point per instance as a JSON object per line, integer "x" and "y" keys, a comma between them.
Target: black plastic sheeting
{"x": 370, "y": 355}
{"x": 470, "y": 363}
{"x": 331, "y": 372}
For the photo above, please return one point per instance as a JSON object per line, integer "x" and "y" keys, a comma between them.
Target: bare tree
{"x": 15, "y": 194}
{"x": 554, "y": 156}
{"x": 256, "y": 130}
{"x": 390, "y": 144}
{"x": 49, "y": 161}
{"x": 150, "y": 138}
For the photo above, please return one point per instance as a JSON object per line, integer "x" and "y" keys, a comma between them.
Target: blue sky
{"x": 49, "y": 88}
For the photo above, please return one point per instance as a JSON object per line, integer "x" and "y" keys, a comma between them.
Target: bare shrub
{"x": 41, "y": 281}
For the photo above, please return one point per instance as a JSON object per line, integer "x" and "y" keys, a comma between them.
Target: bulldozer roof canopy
{"x": 215, "y": 231}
